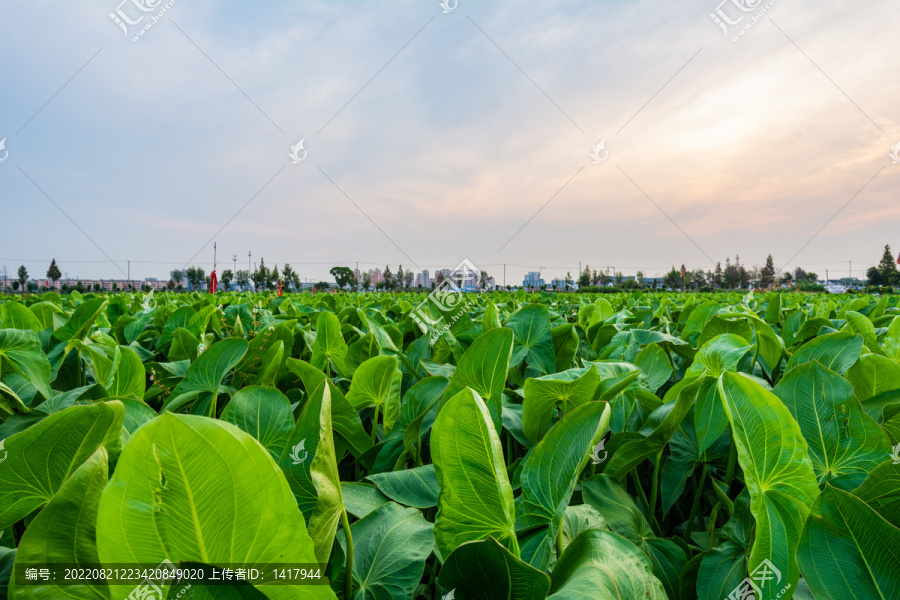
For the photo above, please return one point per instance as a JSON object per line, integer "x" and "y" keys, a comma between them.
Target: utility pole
{"x": 826, "y": 275}
{"x": 129, "y": 273}
{"x": 234, "y": 258}
{"x": 357, "y": 277}
{"x": 504, "y": 275}
{"x": 249, "y": 254}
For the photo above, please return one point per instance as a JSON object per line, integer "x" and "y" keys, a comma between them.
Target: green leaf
{"x": 873, "y": 375}
{"x": 329, "y": 345}
{"x": 654, "y": 362}
{"x": 65, "y": 533}
{"x": 567, "y": 390}
{"x": 411, "y": 487}
{"x": 361, "y": 499}
{"x": 881, "y": 491}
{"x": 858, "y": 323}
{"x": 81, "y": 321}
{"x": 843, "y": 439}
{"x": 15, "y": 316}
{"x": 722, "y": 570}
{"x": 391, "y": 545}
{"x": 720, "y": 354}
{"x": 310, "y": 466}
{"x": 184, "y": 345}
{"x": 565, "y": 345}
{"x": 486, "y": 570}
{"x": 777, "y": 470}
{"x": 533, "y": 339}
{"x": 836, "y": 351}
{"x": 549, "y": 474}
{"x": 483, "y": 369}
{"x": 40, "y": 459}
{"x": 669, "y": 416}
{"x": 195, "y": 489}
{"x": 344, "y": 418}
{"x": 376, "y": 383}
{"x": 476, "y": 499}
{"x": 848, "y": 550}
{"x": 618, "y": 509}
{"x": 22, "y": 351}
{"x": 890, "y": 344}
{"x": 128, "y": 377}
{"x": 205, "y": 374}
{"x": 600, "y": 564}
{"x": 263, "y": 412}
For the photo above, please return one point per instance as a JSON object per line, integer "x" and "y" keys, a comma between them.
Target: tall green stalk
{"x": 348, "y": 570}
{"x": 695, "y": 506}
{"x": 654, "y": 489}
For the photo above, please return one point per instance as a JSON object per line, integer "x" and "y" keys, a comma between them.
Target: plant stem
{"x": 654, "y": 489}
{"x": 348, "y": 570}
{"x": 559, "y": 542}
{"x": 695, "y": 506}
{"x": 637, "y": 486}
{"x": 375, "y": 425}
{"x": 732, "y": 459}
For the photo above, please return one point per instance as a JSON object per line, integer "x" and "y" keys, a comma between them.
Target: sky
{"x": 430, "y": 137}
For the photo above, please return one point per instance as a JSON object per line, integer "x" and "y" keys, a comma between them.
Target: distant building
{"x": 533, "y": 280}
{"x": 426, "y": 279}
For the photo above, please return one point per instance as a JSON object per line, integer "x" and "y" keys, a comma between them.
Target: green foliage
{"x": 608, "y": 444}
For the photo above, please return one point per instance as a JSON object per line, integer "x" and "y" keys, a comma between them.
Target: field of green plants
{"x": 474, "y": 446}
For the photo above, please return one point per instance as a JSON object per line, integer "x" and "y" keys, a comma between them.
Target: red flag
{"x": 279, "y": 287}
{"x": 213, "y": 282}
{"x": 898, "y": 259}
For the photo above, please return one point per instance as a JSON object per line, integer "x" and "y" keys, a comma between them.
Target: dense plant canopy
{"x": 499, "y": 446}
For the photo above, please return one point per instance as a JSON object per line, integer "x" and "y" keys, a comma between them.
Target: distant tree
{"x": 195, "y": 276}
{"x": 53, "y": 273}
{"x": 342, "y": 275}
{"x": 115, "y": 287}
{"x": 170, "y": 285}
{"x": 242, "y": 277}
{"x": 177, "y": 277}
{"x": 275, "y": 276}
{"x": 787, "y": 278}
{"x": 698, "y": 279}
{"x": 400, "y": 276}
{"x": 322, "y": 286}
{"x": 672, "y": 279}
{"x": 388, "y": 278}
{"x": 366, "y": 281}
{"x": 718, "y": 277}
{"x": 15, "y": 285}
{"x": 767, "y": 274}
{"x": 97, "y": 286}
{"x": 584, "y": 280}
{"x": 639, "y": 278}
{"x": 261, "y": 276}
{"x": 595, "y": 278}
{"x": 619, "y": 278}
{"x": 888, "y": 268}
{"x": 438, "y": 279}
{"x": 408, "y": 277}
{"x": 23, "y": 276}
{"x": 227, "y": 278}
{"x": 32, "y": 286}
{"x": 484, "y": 280}
{"x": 569, "y": 280}
{"x": 289, "y": 274}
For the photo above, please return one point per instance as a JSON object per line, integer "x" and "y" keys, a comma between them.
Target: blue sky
{"x": 455, "y": 143}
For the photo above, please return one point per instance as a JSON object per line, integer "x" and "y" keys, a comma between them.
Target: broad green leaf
{"x": 777, "y": 470}
{"x": 361, "y": 499}
{"x": 722, "y": 569}
{"x": 476, "y": 499}
{"x": 486, "y": 570}
{"x": 390, "y": 546}
{"x": 184, "y": 345}
{"x": 843, "y": 440}
{"x": 618, "y": 509}
{"x": 263, "y": 412}
{"x": 654, "y": 362}
{"x": 195, "y": 489}
{"x": 43, "y": 312}
{"x": 344, "y": 418}
{"x": 411, "y": 487}
{"x": 20, "y": 351}
{"x": 668, "y": 416}
{"x": 491, "y": 318}
{"x": 81, "y": 321}
{"x": 65, "y": 533}
{"x": 710, "y": 420}
{"x": 483, "y": 369}
{"x": 205, "y": 374}
{"x": 890, "y": 344}
{"x": 860, "y": 324}
{"x": 376, "y": 383}
{"x": 15, "y": 316}
{"x": 881, "y": 491}
{"x": 543, "y": 395}
{"x": 308, "y": 461}
{"x": 533, "y": 339}
{"x": 40, "y": 459}
{"x": 836, "y": 351}
{"x": 873, "y": 375}
{"x": 330, "y": 345}
{"x": 565, "y": 345}
{"x": 848, "y": 550}
{"x": 720, "y": 354}
{"x": 548, "y": 477}
{"x": 601, "y": 564}
{"x": 578, "y": 518}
